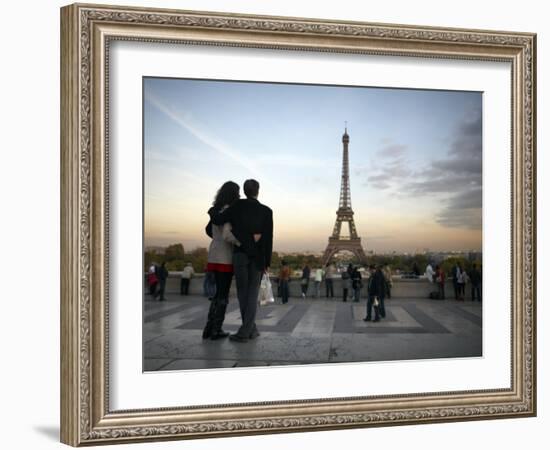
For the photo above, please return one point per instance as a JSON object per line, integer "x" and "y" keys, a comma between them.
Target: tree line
{"x": 176, "y": 258}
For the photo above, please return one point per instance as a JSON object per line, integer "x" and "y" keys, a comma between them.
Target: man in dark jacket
{"x": 356, "y": 284}
{"x": 475, "y": 279}
{"x": 162, "y": 275}
{"x": 252, "y": 225}
{"x": 375, "y": 289}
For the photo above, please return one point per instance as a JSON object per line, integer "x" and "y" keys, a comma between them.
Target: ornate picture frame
{"x": 86, "y": 34}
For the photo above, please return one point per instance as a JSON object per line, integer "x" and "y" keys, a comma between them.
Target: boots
{"x": 218, "y": 318}
{"x": 207, "y": 332}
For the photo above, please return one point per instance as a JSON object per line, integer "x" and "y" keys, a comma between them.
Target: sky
{"x": 415, "y": 161}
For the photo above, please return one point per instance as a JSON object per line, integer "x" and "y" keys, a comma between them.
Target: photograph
{"x": 287, "y": 224}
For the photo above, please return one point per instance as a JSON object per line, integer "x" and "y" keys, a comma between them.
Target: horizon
{"x": 415, "y": 161}
{"x": 320, "y": 252}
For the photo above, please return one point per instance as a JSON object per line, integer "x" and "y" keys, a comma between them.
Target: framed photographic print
{"x": 261, "y": 213}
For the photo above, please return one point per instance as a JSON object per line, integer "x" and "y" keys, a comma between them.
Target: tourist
{"x": 475, "y": 279}
{"x": 220, "y": 265}
{"x": 462, "y": 279}
{"x": 318, "y": 279}
{"x": 186, "y": 276}
{"x": 162, "y": 275}
{"x": 252, "y": 226}
{"x": 375, "y": 294}
{"x": 388, "y": 281}
{"x": 152, "y": 280}
{"x": 356, "y": 284}
{"x": 304, "y": 282}
{"x": 284, "y": 280}
{"x": 382, "y": 295}
{"x": 346, "y": 283}
{"x": 440, "y": 280}
{"x": 329, "y": 275}
{"x": 429, "y": 273}
{"x": 455, "y": 272}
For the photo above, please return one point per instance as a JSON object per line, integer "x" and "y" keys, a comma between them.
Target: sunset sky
{"x": 415, "y": 161}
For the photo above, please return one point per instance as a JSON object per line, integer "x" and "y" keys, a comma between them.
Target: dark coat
{"x": 376, "y": 283}
{"x": 248, "y": 217}
{"x": 356, "y": 282}
{"x": 475, "y": 277}
{"x": 162, "y": 273}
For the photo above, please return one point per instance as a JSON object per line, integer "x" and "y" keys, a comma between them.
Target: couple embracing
{"x": 242, "y": 242}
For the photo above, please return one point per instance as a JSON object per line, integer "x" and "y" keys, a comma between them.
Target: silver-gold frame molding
{"x": 86, "y": 34}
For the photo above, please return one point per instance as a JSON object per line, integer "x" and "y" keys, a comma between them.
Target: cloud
{"x": 388, "y": 168}
{"x": 468, "y": 137}
{"x": 441, "y": 182}
{"x": 462, "y": 210}
{"x": 461, "y": 170}
{"x": 392, "y": 151}
{"x": 466, "y": 165}
{"x": 454, "y": 180}
{"x": 460, "y": 218}
{"x": 377, "y": 178}
{"x": 467, "y": 199}
{"x": 381, "y": 185}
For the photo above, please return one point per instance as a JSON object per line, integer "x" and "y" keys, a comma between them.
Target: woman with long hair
{"x": 220, "y": 257}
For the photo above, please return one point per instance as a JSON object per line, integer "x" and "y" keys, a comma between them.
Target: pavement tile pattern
{"x": 310, "y": 331}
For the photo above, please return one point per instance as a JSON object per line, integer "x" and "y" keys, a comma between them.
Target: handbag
{"x": 265, "y": 296}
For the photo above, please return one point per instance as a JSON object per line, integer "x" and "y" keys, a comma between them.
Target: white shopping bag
{"x": 265, "y": 296}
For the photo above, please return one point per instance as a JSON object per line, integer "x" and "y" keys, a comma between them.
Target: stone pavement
{"x": 310, "y": 331}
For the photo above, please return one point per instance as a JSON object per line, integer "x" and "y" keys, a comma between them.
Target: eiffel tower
{"x": 337, "y": 242}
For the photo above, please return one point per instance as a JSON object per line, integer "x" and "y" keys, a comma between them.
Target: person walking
{"x": 220, "y": 261}
{"x": 475, "y": 279}
{"x": 186, "y": 275}
{"x": 252, "y": 226}
{"x": 375, "y": 292}
{"x": 162, "y": 277}
{"x": 304, "y": 281}
{"x": 318, "y": 280}
{"x": 356, "y": 284}
{"x": 284, "y": 280}
{"x": 329, "y": 276}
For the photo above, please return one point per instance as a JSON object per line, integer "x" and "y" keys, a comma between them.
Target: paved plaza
{"x": 310, "y": 331}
